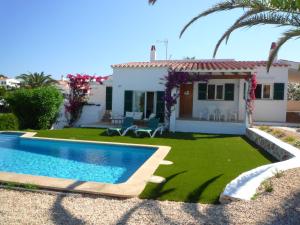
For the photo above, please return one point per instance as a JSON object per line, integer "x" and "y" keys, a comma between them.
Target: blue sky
{"x": 87, "y": 36}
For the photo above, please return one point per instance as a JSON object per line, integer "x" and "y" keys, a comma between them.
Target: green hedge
{"x": 35, "y": 108}
{"x": 8, "y": 121}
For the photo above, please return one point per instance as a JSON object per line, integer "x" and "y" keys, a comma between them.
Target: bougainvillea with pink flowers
{"x": 79, "y": 89}
{"x": 174, "y": 80}
{"x": 252, "y": 82}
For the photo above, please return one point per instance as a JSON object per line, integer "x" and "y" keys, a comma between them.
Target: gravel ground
{"x": 282, "y": 206}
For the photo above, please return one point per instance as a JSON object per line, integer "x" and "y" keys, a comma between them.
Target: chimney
{"x": 273, "y": 46}
{"x": 153, "y": 53}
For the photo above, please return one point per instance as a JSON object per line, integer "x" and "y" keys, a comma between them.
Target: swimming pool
{"x": 81, "y": 161}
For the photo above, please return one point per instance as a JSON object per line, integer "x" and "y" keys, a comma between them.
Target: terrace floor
{"x": 203, "y": 163}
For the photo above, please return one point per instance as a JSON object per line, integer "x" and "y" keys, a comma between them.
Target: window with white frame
{"x": 211, "y": 91}
{"x": 263, "y": 91}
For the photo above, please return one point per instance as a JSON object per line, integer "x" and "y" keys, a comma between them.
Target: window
{"x": 145, "y": 102}
{"x": 108, "y": 100}
{"x": 219, "y": 94}
{"x": 138, "y": 101}
{"x": 258, "y": 91}
{"x": 211, "y": 92}
{"x": 266, "y": 91}
{"x": 263, "y": 91}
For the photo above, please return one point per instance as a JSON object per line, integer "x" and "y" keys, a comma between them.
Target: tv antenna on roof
{"x": 166, "y": 43}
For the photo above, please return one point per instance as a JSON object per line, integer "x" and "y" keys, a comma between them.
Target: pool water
{"x": 71, "y": 160}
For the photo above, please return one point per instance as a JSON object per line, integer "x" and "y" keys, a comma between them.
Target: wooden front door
{"x": 186, "y": 100}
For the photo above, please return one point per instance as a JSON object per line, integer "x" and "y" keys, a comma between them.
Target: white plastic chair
{"x": 212, "y": 113}
{"x": 204, "y": 115}
{"x": 217, "y": 114}
{"x": 129, "y": 114}
{"x": 232, "y": 115}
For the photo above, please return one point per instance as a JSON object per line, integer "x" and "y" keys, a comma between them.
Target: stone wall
{"x": 277, "y": 151}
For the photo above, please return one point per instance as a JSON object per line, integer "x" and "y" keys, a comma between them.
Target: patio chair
{"x": 152, "y": 128}
{"x": 138, "y": 115}
{"x": 152, "y": 115}
{"x": 129, "y": 114}
{"x": 232, "y": 116}
{"x": 204, "y": 114}
{"x": 127, "y": 125}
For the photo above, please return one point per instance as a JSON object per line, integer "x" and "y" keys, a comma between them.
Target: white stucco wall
{"x": 271, "y": 110}
{"x": 224, "y": 106}
{"x": 136, "y": 79}
{"x": 149, "y": 79}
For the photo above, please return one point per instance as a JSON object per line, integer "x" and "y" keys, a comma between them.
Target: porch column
{"x": 173, "y": 114}
{"x": 246, "y": 108}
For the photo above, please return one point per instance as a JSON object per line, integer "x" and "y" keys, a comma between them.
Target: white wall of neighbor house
{"x": 135, "y": 79}
{"x": 271, "y": 110}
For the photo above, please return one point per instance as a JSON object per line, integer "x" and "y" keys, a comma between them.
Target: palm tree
{"x": 285, "y": 13}
{"x": 33, "y": 80}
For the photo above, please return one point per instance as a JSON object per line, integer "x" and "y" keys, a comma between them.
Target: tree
{"x": 33, "y": 80}
{"x": 2, "y": 76}
{"x": 35, "y": 108}
{"x": 284, "y": 13}
{"x": 294, "y": 91}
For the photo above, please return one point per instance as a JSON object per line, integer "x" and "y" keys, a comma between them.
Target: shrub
{"x": 297, "y": 144}
{"x": 278, "y": 173}
{"x": 8, "y": 121}
{"x": 35, "y": 108}
{"x": 289, "y": 139}
{"x": 278, "y": 133}
{"x": 266, "y": 129}
{"x": 268, "y": 186}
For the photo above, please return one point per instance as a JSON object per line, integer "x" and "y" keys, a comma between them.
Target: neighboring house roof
{"x": 190, "y": 65}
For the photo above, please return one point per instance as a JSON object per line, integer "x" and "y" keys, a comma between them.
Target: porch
{"x": 217, "y": 105}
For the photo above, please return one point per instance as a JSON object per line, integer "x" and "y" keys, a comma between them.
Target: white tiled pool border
{"x": 131, "y": 188}
{"x": 245, "y": 185}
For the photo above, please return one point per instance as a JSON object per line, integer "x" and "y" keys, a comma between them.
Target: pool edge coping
{"x": 131, "y": 188}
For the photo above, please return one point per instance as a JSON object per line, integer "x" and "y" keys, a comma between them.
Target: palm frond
{"x": 225, "y": 6}
{"x": 294, "y": 33}
{"x": 259, "y": 18}
{"x": 151, "y": 2}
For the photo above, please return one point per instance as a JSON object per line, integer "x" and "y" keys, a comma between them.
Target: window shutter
{"x": 202, "y": 89}
{"x": 128, "y": 97}
{"x": 160, "y": 106}
{"x": 229, "y": 92}
{"x": 258, "y": 91}
{"x": 108, "y": 100}
{"x": 278, "y": 91}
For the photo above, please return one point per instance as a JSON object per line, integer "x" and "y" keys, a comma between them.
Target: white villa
{"x": 9, "y": 83}
{"x": 214, "y": 105}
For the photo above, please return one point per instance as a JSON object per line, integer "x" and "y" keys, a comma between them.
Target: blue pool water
{"x": 70, "y": 160}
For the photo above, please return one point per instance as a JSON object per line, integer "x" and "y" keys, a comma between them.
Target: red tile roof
{"x": 185, "y": 65}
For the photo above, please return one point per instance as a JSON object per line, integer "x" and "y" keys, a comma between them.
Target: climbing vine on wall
{"x": 173, "y": 81}
{"x": 79, "y": 89}
{"x": 252, "y": 84}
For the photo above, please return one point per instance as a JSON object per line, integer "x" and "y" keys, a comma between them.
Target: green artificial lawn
{"x": 203, "y": 163}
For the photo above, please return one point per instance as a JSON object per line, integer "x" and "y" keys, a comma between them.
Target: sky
{"x": 88, "y": 36}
